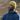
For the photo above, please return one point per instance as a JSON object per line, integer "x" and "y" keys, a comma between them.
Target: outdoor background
{"x": 4, "y": 7}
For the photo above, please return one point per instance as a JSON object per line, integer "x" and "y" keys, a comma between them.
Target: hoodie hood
{"x": 12, "y": 12}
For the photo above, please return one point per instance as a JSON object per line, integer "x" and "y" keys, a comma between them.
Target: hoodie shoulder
{"x": 5, "y": 14}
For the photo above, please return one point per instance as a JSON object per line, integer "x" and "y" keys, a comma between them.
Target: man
{"x": 11, "y": 15}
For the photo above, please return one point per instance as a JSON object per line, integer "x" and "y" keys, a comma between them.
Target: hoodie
{"x": 11, "y": 16}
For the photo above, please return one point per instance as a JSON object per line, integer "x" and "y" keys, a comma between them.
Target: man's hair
{"x": 13, "y": 3}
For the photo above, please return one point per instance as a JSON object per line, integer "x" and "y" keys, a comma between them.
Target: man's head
{"x": 12, "y": 5}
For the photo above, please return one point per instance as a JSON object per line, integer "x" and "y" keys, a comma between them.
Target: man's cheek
{"x": 10, "y": 6}
{"x": 9, "y": 9}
